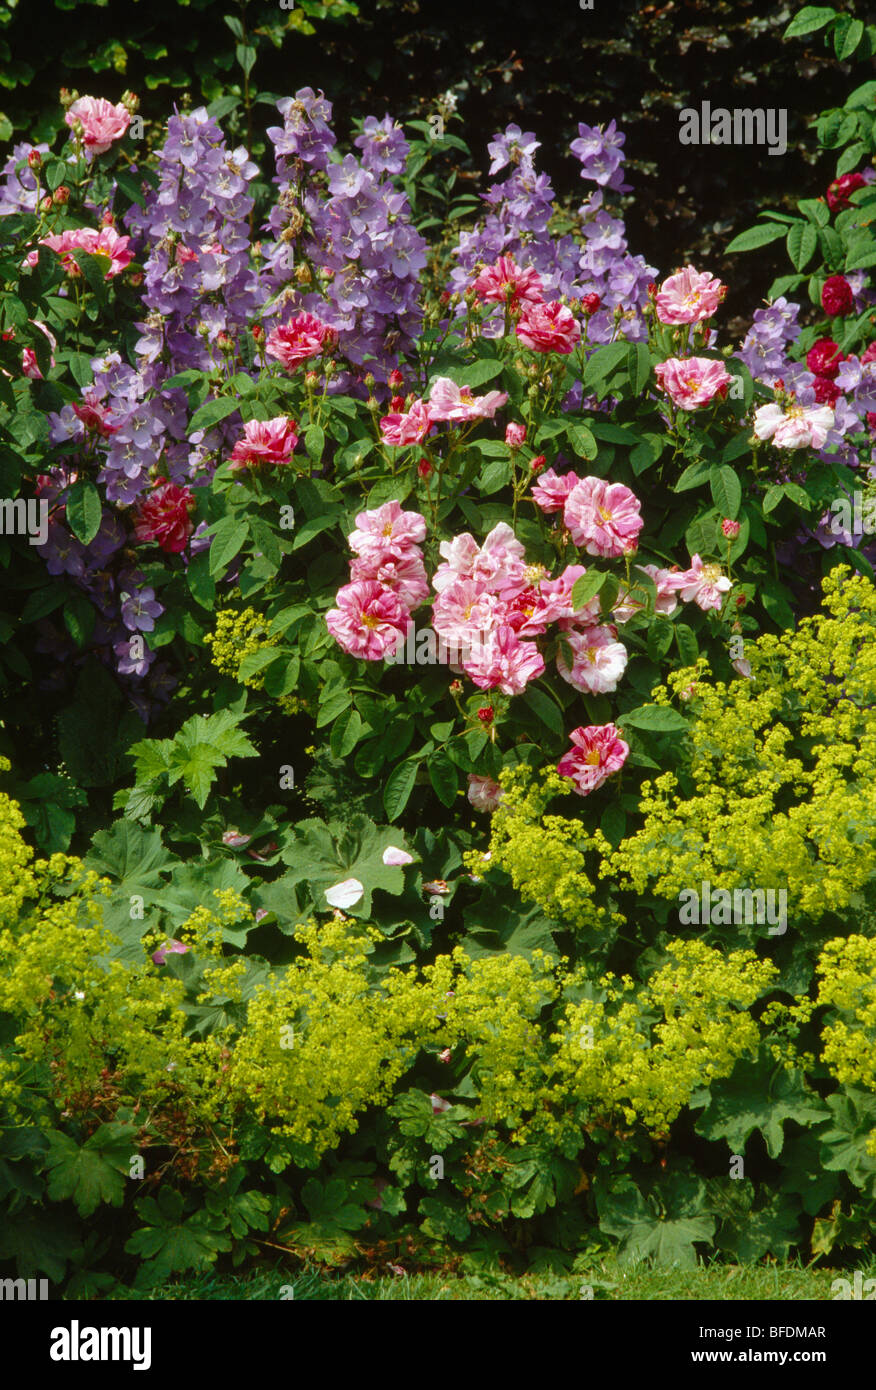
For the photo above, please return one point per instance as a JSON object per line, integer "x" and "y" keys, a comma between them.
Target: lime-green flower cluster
{"x": 236, "y": 635}
{"x": 323, "y": 1041}
{"x": 782, "y": 765}
{"x": 847, "y": 984}
{"x": 544, "y": 855}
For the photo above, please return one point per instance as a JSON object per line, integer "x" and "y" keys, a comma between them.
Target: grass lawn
{"x": 782, "y": 1283}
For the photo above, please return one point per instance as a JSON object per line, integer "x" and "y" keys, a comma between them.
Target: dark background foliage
{"x": 545, "y": 66}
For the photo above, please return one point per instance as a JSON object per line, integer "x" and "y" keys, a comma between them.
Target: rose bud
{"x": 486, "y": 714}
{"x": 397, "y": 403}
{"x": 62, "y": 194}
{"x": 424, "y": 468}
{"x": 396, "y": 380}
{"x": 515, "y": 434}
{"x": 538, "y": 463}
{"x": 258, "y": 332}
{"x": 35, "y": 159}
{"x": 729, "y": 528}
{"x": 590, "y": 303}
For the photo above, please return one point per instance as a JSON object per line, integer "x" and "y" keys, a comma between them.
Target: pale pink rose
{"x": 483, "y": 793}
{"x": 369, "y": 620}
{"x": 798, "y": 427}
{"x": 668, "y": 583}
{"x": 559, "y": 592}
{"x": 102, "y": 123}
{"x": 95, "y": 415}
{"x": 264, "y": 442}
{"x": 548, "y": 327}
{"x": 386, "y": 531}
{"x": 598, "y": 660}
{"x": 302, "y": 337}
{"x": 603, "y": 517}
{"x": 515, "y": 434}
{"x": 504, "y": 663}
{"x": 501, "y": 555}
{"x": 552, "y": 489}
{"x": 508, "y": 283}
{"x": 465, "y": 610}
{"x": 530, "y": 611}
{"x": 704, "y": 585}
{"x": 691, "y": 382}
{"x": 448, "y": 401}
{"x": 105, "y": 242}
{"x": 688, "y": 297}
{"x": 395, "y": 857}
{"x": 401, "y": 570}
{"x": 598, "y": 751}
{"x": 408, "y": 427}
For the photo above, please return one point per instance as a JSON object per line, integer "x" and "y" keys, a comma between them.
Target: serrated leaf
{"x": 92, "y": 1173}
{"x": 444, "y": 777}
{"x": 211, "y": 412}
{"x": 801, "y": 242}
{"x": 398, "y": 788}
{"x": 760, "y": 1094}
{"x": 227, "y": 541}
{"x": 587, "y": 587}
{"x": 755, "y": 237}
{"x": 810, "y": 18}
{"x": 655, "y": 718}
{"x": 726, "y": 490}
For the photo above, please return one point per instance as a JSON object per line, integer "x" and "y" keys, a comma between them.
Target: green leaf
{"x": 84, "y": 510}
{"x": 801, "y": 242}
{"x": 639, "y": 367}
{"x": 444, "y": 776}
{"x": 664, "y": 1227}
{"x": 314, "y": 527}
{"x": 346, "y": 732}
{"x": 229, "y": 536}
{"x": 322, "y": 854}
{"x": 654, "y": 718}
{"x": 755, "y": 237}
{"x": 686, "y": 641}
{"x": 815, "y": 210}
{"x": 844, "y": 1138}
{"x": 846, "y": 36}
{"x": 587, "y": 587}
{"x": 398, "y": 788}
{"x": 171, "y": 1243}
{"x": 810, "y": 18}
{"x": 93, "y": 1173}
{"x": 759, "y": 1094}
{"x": 211, "y": 412}
{"x": 547, "y": 710}
{"x": 695, "y": 475}
{"x": 772, "y": 497}
{"x": 314, "y": 442}
{"x": 582, "y": 441}
{"x": 726, "y": 490}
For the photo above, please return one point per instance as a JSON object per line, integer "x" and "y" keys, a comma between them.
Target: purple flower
{"x": 140, "y": 610}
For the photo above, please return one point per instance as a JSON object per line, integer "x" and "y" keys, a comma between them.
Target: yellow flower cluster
{"x": 235, "y": 636}
{"x": 762, "y": 813}
{"x": 545, "y": 855}
{"x": 847, "y": 983}
{"x": 323, "y": 1041}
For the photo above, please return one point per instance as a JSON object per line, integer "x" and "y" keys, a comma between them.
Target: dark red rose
{"x": 836, "y": 296}
{"x": 838, "y": 192}
{"x": 826, "y": 391}
{"x": 824, "y": 358}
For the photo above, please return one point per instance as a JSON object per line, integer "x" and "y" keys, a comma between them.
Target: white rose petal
{"x": 345, "y": 894}
{"x": 393, "y": 855}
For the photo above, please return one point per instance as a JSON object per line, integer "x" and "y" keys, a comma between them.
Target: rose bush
{"x": 361, "y": 555}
